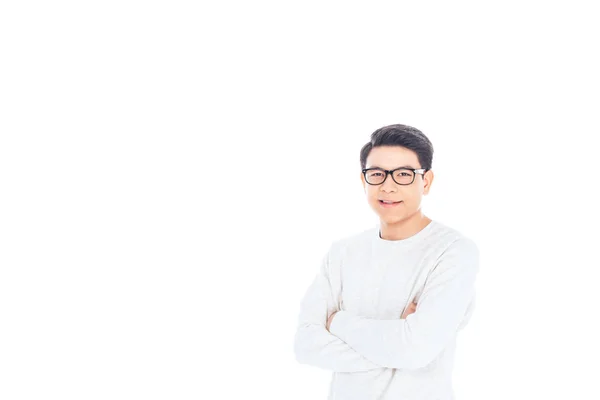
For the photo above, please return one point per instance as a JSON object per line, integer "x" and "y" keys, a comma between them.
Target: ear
{"x": 427, "y": 181}
{"x": 362, "y": 180}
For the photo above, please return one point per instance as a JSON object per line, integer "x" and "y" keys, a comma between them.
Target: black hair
{"x": 400, "y": 135}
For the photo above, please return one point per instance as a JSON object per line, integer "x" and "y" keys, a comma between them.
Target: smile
{"x": 389, "y": 205}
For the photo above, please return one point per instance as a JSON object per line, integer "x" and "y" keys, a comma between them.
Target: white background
{"x": 171, "y": 174}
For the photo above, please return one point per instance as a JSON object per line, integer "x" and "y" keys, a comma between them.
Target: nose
{"x": 388, "y": 183}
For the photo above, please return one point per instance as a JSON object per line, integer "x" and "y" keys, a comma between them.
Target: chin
{"x": 392, "y": 219}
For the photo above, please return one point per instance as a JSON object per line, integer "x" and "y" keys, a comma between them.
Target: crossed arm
{"x": 412, "y": 307}
{"x": 357, "y": 343}
{"x": 313, "y": 343}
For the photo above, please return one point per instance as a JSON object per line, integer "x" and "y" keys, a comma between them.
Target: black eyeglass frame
{"x": 416, "y": 171}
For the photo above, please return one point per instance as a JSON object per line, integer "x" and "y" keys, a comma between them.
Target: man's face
{"x": 389, "y": 158}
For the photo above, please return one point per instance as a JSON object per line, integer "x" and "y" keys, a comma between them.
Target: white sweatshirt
{"x": 369, "y": 281}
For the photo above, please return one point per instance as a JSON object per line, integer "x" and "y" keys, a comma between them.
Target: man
{"x": 385, "y": 308}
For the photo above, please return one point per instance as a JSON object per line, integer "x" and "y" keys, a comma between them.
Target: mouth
{"x": 389, "y": 204}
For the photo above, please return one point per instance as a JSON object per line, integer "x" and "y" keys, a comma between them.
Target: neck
{"x": 405, "y": 228}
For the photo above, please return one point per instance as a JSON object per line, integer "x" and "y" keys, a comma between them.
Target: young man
{"x": 385, "y": 308}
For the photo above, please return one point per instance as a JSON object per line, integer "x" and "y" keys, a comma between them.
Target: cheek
{"x": 373, "y": 196}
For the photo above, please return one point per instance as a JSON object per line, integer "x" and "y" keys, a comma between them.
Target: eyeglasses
{"x": 402, "y": 176}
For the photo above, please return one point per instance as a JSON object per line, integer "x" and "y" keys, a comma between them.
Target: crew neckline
{"x": 403, "y": 242}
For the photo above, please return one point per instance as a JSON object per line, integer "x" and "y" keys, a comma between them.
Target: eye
{"x": 375, "y": 173}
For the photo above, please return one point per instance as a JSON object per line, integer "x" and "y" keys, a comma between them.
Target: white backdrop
{"x": 171, "y": 174}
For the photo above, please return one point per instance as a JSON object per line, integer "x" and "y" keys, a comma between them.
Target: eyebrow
{"x": 404, "y": 166}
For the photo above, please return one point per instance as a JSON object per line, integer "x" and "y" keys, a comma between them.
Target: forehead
{"x": 389, "y": 157}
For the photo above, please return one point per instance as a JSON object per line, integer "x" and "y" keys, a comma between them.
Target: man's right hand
{"x": 411, "y": 309}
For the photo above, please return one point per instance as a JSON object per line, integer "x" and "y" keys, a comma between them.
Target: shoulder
{"x": 458, "y": 253}
{"x": 355, "y": 240}
{"x": 448, "y": 238}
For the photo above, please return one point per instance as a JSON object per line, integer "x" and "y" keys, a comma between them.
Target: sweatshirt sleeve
{"x": 313, "y": 343}
{"x": 445, "y": 304}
